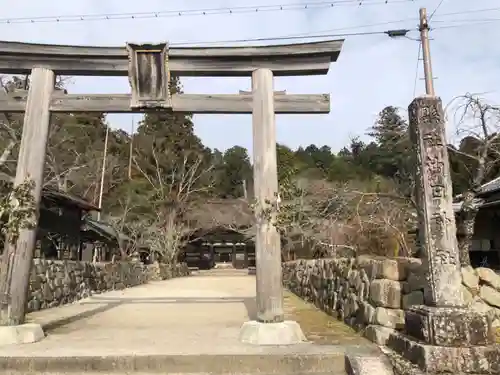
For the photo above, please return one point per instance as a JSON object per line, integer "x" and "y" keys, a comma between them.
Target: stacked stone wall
{"x": 54, "y": 283}
{"x": 372, "y": 293}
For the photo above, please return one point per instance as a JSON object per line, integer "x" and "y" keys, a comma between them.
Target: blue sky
{"x": 372, "y": 72}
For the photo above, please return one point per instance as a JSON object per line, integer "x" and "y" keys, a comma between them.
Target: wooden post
{"x": 233, "y": 255}
{"x": 103, "y": 172}
{"x": 30, "y": 165}
{"x": 267, "y": 244}
{"x": 212, "y": 256}
{"x": 245, "y": 249}
{"x": 131, "y": 151}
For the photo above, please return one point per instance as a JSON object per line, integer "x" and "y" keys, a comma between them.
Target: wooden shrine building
{"x": 223, "y": 234}
{"x": 60, "y": 222}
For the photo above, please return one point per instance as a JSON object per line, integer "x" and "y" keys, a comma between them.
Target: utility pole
{"x": 424, "y": 39}
{"x": 131, "y": 151}
{"x": 103, "y": 172}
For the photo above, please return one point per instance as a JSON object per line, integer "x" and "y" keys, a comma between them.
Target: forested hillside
{"x": 360, "y": 197}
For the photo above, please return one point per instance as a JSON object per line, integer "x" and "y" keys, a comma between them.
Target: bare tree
{"x": 477, "y": 126}
{"x": 233, "y": 215}
{"x": 178, "y": 185}
{"x": 328, "y": 219}
{"x": 10, "y": 124}
{"x": 66, "y": 167}
{"x": 122, "y": 224}
{"x": 382, "y": 223}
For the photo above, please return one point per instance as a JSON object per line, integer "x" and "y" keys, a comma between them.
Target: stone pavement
{"x": 197, "y": 316}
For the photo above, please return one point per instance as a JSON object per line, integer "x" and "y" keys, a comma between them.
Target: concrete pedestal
{"x": 22, "y": 334}
{"x": 284, "y": 333}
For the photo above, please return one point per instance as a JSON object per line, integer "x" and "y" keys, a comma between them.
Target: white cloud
{"x": 372, "y": 72}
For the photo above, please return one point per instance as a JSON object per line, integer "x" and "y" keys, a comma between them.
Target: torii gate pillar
{"x": 270, "y": 327}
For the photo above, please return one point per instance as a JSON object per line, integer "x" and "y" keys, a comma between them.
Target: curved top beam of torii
{"x": 284, "y": 60}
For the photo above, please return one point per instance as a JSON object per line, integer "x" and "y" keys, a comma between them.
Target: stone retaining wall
{"x": 372, "y": 292}
{"x": 482, "y": 291}
{"x": 55, "y": 283}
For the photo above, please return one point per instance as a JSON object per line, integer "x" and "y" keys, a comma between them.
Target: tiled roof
{"x": 490, "y": 186}
{"x": 487, "y": 188}
{"x": 53, "y": 194}
{"x": 104, "y": 229}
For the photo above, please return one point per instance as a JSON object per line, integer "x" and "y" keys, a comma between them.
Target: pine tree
{"x": 394, "y": 156}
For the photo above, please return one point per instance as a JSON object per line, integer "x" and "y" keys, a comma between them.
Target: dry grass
{"x": 318, "y": 326}
{"x": 323, "y": 329}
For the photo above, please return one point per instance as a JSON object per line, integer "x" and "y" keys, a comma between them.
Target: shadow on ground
{"x": 65, "y": 320}
{"x": 104, "y": 304}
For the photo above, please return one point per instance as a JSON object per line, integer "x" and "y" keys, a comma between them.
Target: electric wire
{"x": 467, "y": 23}
{"x": 281, "y": 38}
{"x": 331, "y": 33}
{"x": 470, "y": 11}
{"x": 201, "y": 12}
{"x": 328, "y": 33}
{"x": 416, "y": 69}
{"x": 272, "y": 8}
{"x": 435, "y": 10}
{"x": 229, "y": 11}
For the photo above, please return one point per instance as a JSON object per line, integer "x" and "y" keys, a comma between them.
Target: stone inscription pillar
{"x": 444, "y": 336}
{"x": 437, "y": 229}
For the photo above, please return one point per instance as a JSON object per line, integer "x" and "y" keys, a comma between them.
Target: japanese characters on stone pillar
{"x": 437, "y": 229}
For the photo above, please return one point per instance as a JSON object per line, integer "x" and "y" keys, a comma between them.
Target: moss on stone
{"x": 318, "y": 326}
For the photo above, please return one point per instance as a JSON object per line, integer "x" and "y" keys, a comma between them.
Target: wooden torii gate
{"x": 148, "y": 67}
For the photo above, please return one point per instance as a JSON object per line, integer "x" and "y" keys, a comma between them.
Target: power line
{"x": 416, "y": 70}
{"x": 310, "y": 35}
{"x": 435, "y": 10}
{"x": 289, "y": 37}
{"x": 329, "y": 33}
{"x": 225, "y": 11}
{"x": 465, "y": 20}
{"x": 200, "y": 12}
{"x": 360, "y": 26}
{"x": 469, "y": 11}
{"x": 318, "y": 35}
{"x": 467, "y": 23}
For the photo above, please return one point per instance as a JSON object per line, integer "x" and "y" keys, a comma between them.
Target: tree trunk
{"x": 465, "y": 227}
{"x": 7, "y": 152}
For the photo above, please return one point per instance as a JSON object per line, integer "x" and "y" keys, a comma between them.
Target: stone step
{"x": 261, "y": 364}
{"x": 148, "y": 373}
{"x": 222, "y": 272}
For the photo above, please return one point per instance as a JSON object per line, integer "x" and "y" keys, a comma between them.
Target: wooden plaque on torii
{"x": 149, "y": 76}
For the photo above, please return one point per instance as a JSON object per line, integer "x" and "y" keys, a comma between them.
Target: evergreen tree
{"x": 235, "y": 173}
{"x": 394, "y": 156}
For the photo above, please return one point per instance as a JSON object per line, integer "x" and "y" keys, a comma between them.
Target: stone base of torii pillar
{"x": 22, "y": 334}
{"x": 283, "y": 333}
